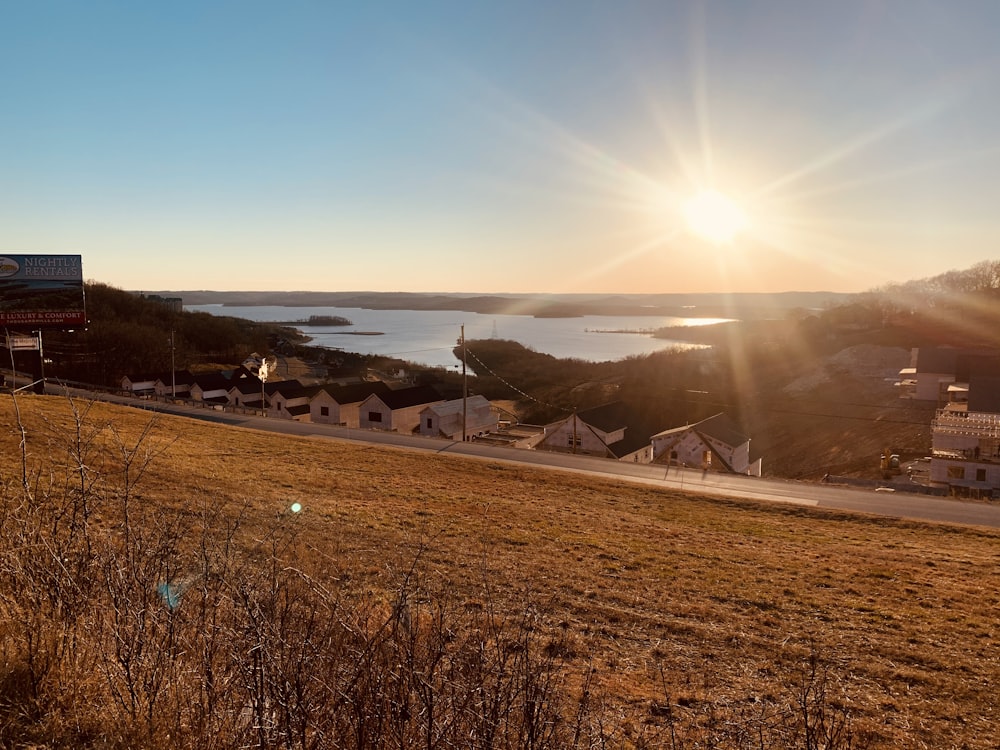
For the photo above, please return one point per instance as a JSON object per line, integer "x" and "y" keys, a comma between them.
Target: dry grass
{"x": 665, "y": 603}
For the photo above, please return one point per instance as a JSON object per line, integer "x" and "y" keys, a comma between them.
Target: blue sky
{"x": 500, "y": 146}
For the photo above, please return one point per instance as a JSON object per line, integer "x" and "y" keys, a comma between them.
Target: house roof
{"x": 284, "y": 387}
{"x": 612, "y": 417}
{"x": 163, "y": 377}
{"x": 246, "y": 387}
{"x": 720, "y": 427}
{"x": 355, "y": 392}
{"x": 299, "y": 391}
{"x": 211, "y": 381}
{"x": 178, "y": 376}
{"x": 608, "y": 417}
{"x": 298, "y": 409}
{"x": 633, "y": 441}
{"x": 456, "y": 406}
{"x": 404, "y": 397}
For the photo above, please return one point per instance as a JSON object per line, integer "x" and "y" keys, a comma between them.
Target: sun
{"x": 714, "y": 217}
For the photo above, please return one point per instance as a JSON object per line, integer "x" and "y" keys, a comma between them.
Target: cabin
{"x": 713, "y": 444}
{"x": 338, "y": 404}
{"x": 446, "y": 419}
{"x": 176, "y": 384}
{"x": 396, "y": 411}
{"x": 612, "y": 430}
{"x": 247, "y": 394}
{"x": 292, "y": 401}
{"x": 211, "y": 388}
{"x": 139, "y": 384}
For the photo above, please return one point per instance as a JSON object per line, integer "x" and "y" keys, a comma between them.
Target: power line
{"x": 514, "y": 387}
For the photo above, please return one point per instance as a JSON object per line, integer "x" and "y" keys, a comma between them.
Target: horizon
{"x": 485, "y": 294}
{"x": 682, "y": 148}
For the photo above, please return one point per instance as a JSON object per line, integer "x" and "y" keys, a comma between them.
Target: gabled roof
{"x": 418, "y": 394}
{"x": 355, "y": 392}
{"x": 612, "y": 417}
{"x": 633, "y": 441}
{"x": 164, "y": 377}
{"x": 246, "y": 386}
{"x": 284, "y": 387}
{"x": 723, "y": 429}
{"x": 211, "y": 381}
{"x": 302, "y": 391}
{"x": 456, "y": 406}
{"x": 719, "y": 427}
{"x": 608, "y": 417}
{"x": 179, "y": 376}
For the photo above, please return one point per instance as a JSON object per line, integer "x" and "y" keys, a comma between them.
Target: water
{"x": 427, "y": 337}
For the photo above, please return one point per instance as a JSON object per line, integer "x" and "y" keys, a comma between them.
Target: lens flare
{"x": 714, "y": 217}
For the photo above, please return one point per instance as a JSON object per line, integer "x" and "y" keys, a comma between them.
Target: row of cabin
{"x": 964, "y": 384}
{"x": 715, "y": 444}
{"x": 365, "y": 405}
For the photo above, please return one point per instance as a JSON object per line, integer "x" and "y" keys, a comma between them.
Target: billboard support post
{"x": 39, "y": 375}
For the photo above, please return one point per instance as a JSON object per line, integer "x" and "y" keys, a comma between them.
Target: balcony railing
{"x": 981, "y": 425}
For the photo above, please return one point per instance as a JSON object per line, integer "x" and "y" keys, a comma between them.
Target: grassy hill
{"x": 169, "y": 583}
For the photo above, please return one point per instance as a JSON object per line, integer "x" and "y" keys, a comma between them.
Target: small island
{"x": 319, "y": 320}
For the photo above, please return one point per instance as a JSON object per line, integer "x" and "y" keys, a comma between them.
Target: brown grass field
{"x": 673, "y": 611}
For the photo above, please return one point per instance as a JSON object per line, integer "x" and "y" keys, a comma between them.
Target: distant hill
{"x": 743, "y": 305}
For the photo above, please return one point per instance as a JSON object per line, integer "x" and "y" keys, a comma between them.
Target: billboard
{"x": 41, "y": 291}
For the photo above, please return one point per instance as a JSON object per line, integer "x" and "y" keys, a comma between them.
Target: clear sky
{"x": 507, "y": 145}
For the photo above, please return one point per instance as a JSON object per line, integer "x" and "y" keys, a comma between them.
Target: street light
{"x": 262, "y": 373}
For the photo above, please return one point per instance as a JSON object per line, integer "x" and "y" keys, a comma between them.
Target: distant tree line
{"x": 129, "y": 333}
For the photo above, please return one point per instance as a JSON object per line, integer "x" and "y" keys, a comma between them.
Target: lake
{"x": 427, "y": 337}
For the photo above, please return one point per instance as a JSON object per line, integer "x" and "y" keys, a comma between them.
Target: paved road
{"x": 897, "y": 504}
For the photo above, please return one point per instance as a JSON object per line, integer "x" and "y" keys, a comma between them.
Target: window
{"x": 324, "y": 411}
{"x": 573, "y": 441}
{"x": 956, "y": 472}
{"x": 375, "y": 416}
{"x": 980, "y": 475}
{"x": 430, "y": 423}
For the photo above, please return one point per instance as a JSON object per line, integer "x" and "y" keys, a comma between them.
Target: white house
{"x": 338, "y": 404}
{"x": 176, "y": 384}
{"x": 139, "y": 384}
{"x": 246, "y": 394}
{"x": 715, "y": 444}
{"x": 292, "y": 401}
{"x": 396, "y": 411}
{"x": 446, "y": 418}
{"x": 609, "y": 430}
{"x": 211, "y": 387}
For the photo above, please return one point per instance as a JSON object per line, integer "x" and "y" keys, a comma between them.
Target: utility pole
{"x": 173, "y": 368}
{"x": 465, "y": 393}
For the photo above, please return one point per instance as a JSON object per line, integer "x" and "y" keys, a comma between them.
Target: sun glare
{"x": 714, "y": 217}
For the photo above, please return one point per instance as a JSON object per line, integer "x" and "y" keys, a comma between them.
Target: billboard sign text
{"x": 41, "y": 291}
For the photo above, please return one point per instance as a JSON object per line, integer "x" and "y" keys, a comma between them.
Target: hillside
{"x": 189, "y": 604}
